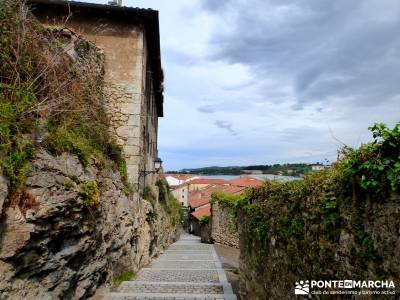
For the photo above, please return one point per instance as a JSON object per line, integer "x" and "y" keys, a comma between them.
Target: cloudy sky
{"x": 274, "y": 81}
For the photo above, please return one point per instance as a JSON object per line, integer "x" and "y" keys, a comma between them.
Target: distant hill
{"x": 276, "y": 169}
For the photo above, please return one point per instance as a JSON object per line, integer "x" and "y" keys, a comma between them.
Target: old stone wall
{"x": 54, "y": 246}
{"x": 125, "y": 72}
{"x": 223, "y": 225}
{"x": 124, "y": 91}
{"x": 205, "y": 233}
{"x": 320, "y": 237}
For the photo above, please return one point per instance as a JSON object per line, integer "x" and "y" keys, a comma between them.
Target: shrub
{"x": 204, "y": 220}
{"x": 375, "y": 165}
{"x": 332, "y": 223}
{"x": 163, "y": 191}
{"x": 47, "y": 98}
{"x": 90, "y": 194}
{"x": 169, "y": 203}
{"x": 15, "y": 164}
{"x": 126, "y": 276}
{"x": 148, "y": 195}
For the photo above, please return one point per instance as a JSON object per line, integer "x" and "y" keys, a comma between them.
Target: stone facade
{"x": 129, "y": 39}
{"x": 223, "y": 227}
{"x": 181, "y": 193}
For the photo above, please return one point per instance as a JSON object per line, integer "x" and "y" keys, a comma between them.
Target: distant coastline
{"x": 275, "y": 171}
{"x": 262, "y": 177}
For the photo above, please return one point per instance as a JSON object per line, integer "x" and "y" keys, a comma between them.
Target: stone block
{"x": 132, "y": 160}
{"x": 134, "y": 120}
{"x": 128, "y": 131}
{"x": 131, "y": 151}
{"x": 130, "y": 108}
{"x": 133, "y": 173}
{"x": 133, "y": 141}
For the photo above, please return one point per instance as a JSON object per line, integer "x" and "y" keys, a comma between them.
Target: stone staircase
{"x": 187, "y": 270}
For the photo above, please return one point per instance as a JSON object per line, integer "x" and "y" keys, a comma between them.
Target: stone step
{"x": 179, "y": 275}
{"x": 199, "y": 251}
{"x": 187, "y": 270}
{"x": 173, "y": 287}
{"x": 168, "y": 296}
{"x": 186, "y": 247}
{"x": 187, "y": 256}
{"x": 189, "y": 264}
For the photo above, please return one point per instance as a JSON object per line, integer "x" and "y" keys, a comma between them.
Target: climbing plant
{"x": 331, "y": 224}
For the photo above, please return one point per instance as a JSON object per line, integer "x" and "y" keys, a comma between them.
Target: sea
{"x": 262, "y": 177}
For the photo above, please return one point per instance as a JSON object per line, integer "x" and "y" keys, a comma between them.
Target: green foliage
{"x": 290, "y": 227}
{"x": 15, "y": 164}
{"x": 256, "y": 233}
{"x": 40, "y": 84}
{"x": 284, "y": 169}
{"x": 376, "y": 165}
{"x": 366, "y": 250}
{"x": 148, "y": 195}
{"x": 231, "y": 203}
{"x": 163, "y": 191}
{"x": 126, "y": 276}
{"x": 174, "y": 211}
{"x": 90, "y": 194}
{"x": 330, "y": 219}
{"x": 168, "y": 202}
{"x": 65, "y": 140}
{"x": 204, "y": 220}
{"x": 114, "y": 152}
{"x": 291, "y": 251}
{"x": 229, "y": 200}
{"x": 19, "y": 62}
{"x": 14, "y": 122}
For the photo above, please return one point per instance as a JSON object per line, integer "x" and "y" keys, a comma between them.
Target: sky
{"x": 274, "y": 81}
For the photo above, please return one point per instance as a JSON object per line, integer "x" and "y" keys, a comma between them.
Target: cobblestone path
{"x": 187, "y": 270}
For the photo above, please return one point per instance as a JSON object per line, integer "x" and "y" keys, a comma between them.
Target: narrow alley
{"x": 187, "y": 270}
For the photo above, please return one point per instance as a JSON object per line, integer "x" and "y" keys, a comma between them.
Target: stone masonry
{"x": 129, "y": 39}
{"x": 187, "y": 270}
{"x": 223, "y": 227}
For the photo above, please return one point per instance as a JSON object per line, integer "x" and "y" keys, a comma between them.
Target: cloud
{"x": 323, "y": 49}
{"x": 208, "y": 109}
{"x": 290, "y": 76}
{"x": 226, "y": 125}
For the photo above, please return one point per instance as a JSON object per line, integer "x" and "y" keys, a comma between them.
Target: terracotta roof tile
{"x": 201, "y": 212}
{"x": 202, "y": 197}
{"x": 246, "y": 181}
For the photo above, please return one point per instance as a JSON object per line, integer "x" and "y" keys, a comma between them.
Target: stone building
{"x": 133, "y": 76}
{"x": 181, "y": 193}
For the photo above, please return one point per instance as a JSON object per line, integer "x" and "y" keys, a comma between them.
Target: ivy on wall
{"x": 336, "y": 223}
